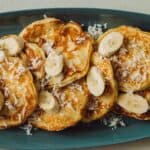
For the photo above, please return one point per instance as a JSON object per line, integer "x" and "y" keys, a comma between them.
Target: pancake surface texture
{"x": 98, "y": 106}
{"x": 132, "y": 60}
{"x": 63, "y": 50}
{"x": 71, "y": 101}
{"x": 18, "y": 92}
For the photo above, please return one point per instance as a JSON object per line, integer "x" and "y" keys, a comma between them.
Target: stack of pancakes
{"x": 54, "y": 75}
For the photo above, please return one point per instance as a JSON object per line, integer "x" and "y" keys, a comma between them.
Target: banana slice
{"x": 95, "y": 82}
{"x": 2, "y": 56}
{"x": 133, "y": 103}
{"x": 48, "y": 102}
{"x": 54, "y": 64}
{"x": 13, "y": 44}
{"x": 110, "y": 43}
{"x": 1, "y": 100}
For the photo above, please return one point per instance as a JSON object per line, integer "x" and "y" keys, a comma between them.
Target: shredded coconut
{"x": 45, "y": 16}
{"x": 123, "y": 51}
{"x": 56, "y": 92}
{"x": 124, "y": 74}
{"x": 27, "y": 128}
{"x": 134, "y": 68}
{"x": 93, "y": 104}
{"x": 68, "y": 105}
{"x": 114, "y": 59}
{"x": 35, "y": 63}
{"x": 76, "y": 86}
{"x": 96, "y": 30}
{"x": 71, "y": 21}
{"x": 113, "y": 121}
{"x": 80, "y": 39}
{"x": 105, "y": 25}
{"x": 136, "y": 76}
{"x": 9, "y": 105}
{"x": 20, "y": 70}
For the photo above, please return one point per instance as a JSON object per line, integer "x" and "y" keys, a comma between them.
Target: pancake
{"x": 35, "y": 59}
{"x": 64, "y": 39}
{"x": 144, "y": 116}
{"x": 131, "y": 62}
{"x": 98, "y": 106}
{"x": 71, "y": 101}
{"x": 18, "y": 96}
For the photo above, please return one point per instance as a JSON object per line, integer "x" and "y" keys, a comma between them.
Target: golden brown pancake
{"x": 98, "y": 106}
{"x": 72, "y": 100}
{"x": 18, "y": 90}
{"x": 67, "y": 39}
{"x": 35, "y": 59}
{"x": 131, "y": 62}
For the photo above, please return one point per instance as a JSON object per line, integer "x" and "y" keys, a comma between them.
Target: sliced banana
{"x": 133, "y": 103}
{"x": 1, "y": 100}
{"x": 12, "y": 43}
{"x": 110, "y": 44}
{"x": 48, "y": 102}
{"x": 2, "y": 56}
{"x": 54, "y": 64}
{"x": 95, "y": 81}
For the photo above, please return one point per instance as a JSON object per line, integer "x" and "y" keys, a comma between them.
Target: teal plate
{"x": 81, "y": 136}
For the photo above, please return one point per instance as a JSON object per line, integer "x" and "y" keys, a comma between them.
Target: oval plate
{"x": 81, "y": 136}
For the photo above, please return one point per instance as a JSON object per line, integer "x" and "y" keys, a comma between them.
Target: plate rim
{"x": 81, "y": 9}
